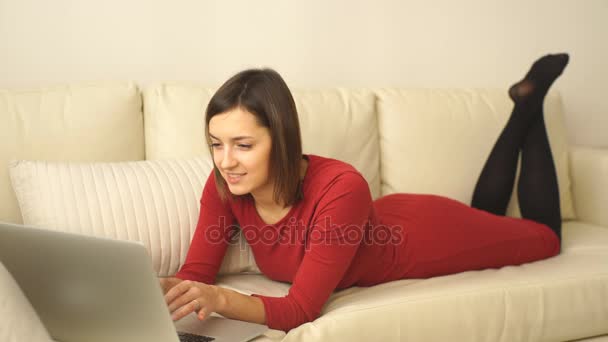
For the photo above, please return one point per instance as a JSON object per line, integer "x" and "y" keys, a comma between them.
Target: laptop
{"x": 98, "y": 290}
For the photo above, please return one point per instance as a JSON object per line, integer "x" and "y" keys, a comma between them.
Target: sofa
{"x": 125, "y": 161}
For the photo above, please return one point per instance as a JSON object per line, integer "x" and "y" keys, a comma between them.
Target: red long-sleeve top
{"x": 318, "y": 246}
{"x": 334, "y": 238}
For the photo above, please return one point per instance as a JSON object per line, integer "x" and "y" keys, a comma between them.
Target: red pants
{"x": 442, "y": 236}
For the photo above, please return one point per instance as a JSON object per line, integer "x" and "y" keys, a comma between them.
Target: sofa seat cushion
{"x": 557, "y": 299}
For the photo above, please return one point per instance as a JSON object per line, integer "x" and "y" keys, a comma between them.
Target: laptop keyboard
{"x": 186, "y": 337}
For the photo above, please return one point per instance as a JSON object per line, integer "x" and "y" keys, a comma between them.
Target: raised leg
{"x": 537, "y": 189}
{"x": 525, "y": 131}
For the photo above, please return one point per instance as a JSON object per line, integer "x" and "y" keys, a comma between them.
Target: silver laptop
{"x": 99, "y": 290}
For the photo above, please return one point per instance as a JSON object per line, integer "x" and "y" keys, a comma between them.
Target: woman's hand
{"x": 167, "y": 283}
{"x": 190, "y": 296}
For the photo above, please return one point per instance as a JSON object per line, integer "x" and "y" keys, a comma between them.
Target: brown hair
{"x": 264, "y": 93}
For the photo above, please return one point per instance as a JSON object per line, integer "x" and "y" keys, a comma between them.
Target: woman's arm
{"x": 242, "y": 307}
{"x": 214, "y": 231}
{"x": 191, "y": 290}
{"x": 188, "y": 296}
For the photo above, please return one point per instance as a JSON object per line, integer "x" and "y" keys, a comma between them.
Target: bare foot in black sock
{"x": 533, "y": 88}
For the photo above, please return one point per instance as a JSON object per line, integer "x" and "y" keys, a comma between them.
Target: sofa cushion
{"x": 19, "y": 320}
{"x": 175, "y": 120}
{"x": 335, "y": 123}
{"x": 88, "y": 122}
{"x": 557, "y": 299}
{"x": 437, "y": 141}
{"x": 155, "y": 202}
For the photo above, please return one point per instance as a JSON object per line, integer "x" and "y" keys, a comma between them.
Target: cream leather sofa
{"x": 110, "y": 159}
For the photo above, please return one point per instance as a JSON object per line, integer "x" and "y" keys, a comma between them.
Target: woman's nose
{"x": 228, "y": 160}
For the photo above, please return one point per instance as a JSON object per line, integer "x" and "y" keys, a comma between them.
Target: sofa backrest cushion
{"x": 174, "y": 120}
{"x": 436, "y": 141}
{"x": 335, "y": 123}
{"x": 153, "y": 202}
{"x": 86, "y": 122}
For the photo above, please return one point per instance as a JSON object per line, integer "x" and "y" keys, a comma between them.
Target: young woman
{"x": 311, "y": 220}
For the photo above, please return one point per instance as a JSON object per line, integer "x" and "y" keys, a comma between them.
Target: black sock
{"x": 534, "y": 86}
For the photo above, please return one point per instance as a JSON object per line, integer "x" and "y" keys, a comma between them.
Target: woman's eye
{"x": 244, "y": 146}
{"x": 215, "y": 145}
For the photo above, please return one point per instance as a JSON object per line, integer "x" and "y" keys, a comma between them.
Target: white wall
{"x": 434, "y": 43}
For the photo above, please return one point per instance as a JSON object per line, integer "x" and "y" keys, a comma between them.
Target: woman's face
{"x": 241, "y": 152}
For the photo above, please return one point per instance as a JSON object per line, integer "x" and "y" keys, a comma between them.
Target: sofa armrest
{"x": 589, "y": 171}
{"x": 18, "y": 320}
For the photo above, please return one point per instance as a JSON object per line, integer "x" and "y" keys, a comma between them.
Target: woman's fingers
{"x": 185, "y": 310}
{"x": 202, "y": 314}
{"x": 189, "y": 296}
{"x": 177, "y": 290}
{"x": 185, "y": 298}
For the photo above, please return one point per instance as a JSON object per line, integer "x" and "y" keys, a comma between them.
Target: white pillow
{"x": 19, "y": 320}
{"x": 154, "y": 202}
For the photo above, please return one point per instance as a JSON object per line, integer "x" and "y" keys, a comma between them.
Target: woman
{"x": 311, "y": 220}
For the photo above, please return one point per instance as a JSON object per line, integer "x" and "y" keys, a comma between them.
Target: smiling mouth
{"x": 232, "y": 174}
{"x": 234, "y": 177}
